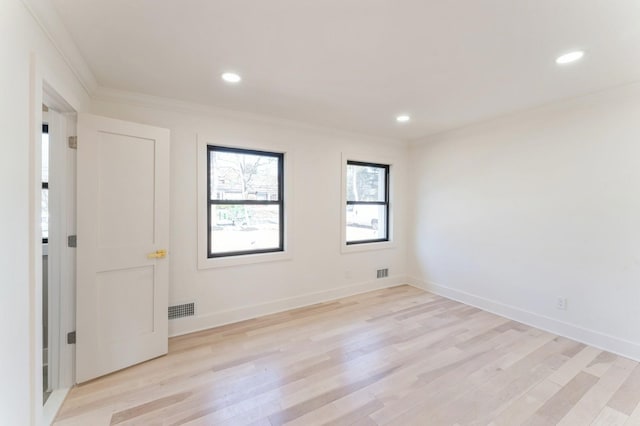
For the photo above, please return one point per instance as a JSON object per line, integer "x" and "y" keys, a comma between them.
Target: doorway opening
{"x": 44, "y": 224}
{"x": 56, "y": 222}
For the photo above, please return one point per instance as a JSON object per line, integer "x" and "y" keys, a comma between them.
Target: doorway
{"x": 57, "y": 223}
{"x": 44, "y": 224}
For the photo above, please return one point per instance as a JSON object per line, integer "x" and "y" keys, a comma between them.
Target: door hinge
{"x": 71, "y": 338}
{"x": 73, "y": 142}
{"x": 72, "y": 241}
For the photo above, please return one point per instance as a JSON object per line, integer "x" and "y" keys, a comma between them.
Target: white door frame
{"x": 62, "y": 209}
{"x": 42, "y": 92}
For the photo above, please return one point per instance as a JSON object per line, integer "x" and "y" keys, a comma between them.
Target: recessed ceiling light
{"x": 231, "y": 77}
{"x": 403, "y": 118}
{"x": 567, "y": 58}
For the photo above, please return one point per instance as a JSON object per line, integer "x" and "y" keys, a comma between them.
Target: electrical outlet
{"x": 561, "y": 303}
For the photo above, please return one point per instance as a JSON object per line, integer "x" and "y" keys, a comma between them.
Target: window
{"x": 44, "y": 207}
{"x": 367, "y": 215}
{"x": 245, "y": 212}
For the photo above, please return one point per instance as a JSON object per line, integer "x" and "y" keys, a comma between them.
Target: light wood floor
{"x": 398, "y": 356}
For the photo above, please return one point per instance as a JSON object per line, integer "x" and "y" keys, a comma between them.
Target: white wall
{"x": 318, "y": 269}
{"x": 513, "y": 213}
{"x": 22, "y": 43}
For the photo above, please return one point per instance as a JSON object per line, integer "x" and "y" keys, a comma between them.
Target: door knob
{"x": 158, "y": 254}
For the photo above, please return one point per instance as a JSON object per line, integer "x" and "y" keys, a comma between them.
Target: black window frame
{"x": 279, "y": 202}
{"x": 386, "y": 168}
{"x": 45, "y": 185}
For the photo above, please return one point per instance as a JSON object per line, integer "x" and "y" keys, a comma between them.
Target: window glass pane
{"x": 365, "y": 183}
{"x": 45, "y": 157}
{"x": 241, "y": 227}
{"x": 44, "y": 222}
{"x": 238, "y": 176}
{"x": 366, "y": 222}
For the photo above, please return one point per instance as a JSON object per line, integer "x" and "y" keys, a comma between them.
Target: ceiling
{"x": 356, "y": 64}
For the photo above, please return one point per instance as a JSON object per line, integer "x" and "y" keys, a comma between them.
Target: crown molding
{"x": 186, "y": 107}
{"x": 45, "y": 15}
{"x": 631, "y": 88}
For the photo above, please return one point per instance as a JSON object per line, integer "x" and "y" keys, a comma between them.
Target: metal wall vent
{"x": 383, "y": 273}
{"x": 181, "y": 311}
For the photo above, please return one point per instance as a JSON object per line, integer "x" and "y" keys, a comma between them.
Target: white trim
{"x": 203, "y": 261}
{"x": 41, "y": 91}
{"x": 62, "y": 124}
{"x": 463, "y": 129}
{"x": 368, "y": 158}
{"x": 67, "y": 318}
{"x": 53, "y": 405}
{"x": 360, "y": 247}
{"x": 45, "y": 15}
{"x": 190, "y": 325}
{"x": 590, "y": 337}
{"x": 53, "y": 100}
{"x": 35, "y": 241}
{"x": 57, "y": 236}
{"x": 104, "y": 94}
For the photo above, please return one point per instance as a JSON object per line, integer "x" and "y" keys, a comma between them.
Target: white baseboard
{"x": 192, "y": 324}
{"x": 590, "y": 337}
{"x": 51, "y": 408}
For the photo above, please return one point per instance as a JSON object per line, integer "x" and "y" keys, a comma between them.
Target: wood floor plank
{"x": 601, "y": 364}
{"x": 634, "y": 418}
{"x": 610, "y": 417}
{"x": 440, "y": 383}
{"x": 587, "y": 409}
{"x": 343, "y": 411}
{"x": 489, "y": 383}
{"x": 561, "y": 403}
{"x": 397, "y": 356}
{"x": 521, "y": 409}
{"x": 580, "y": 357}
{"x": 627, "y": 397}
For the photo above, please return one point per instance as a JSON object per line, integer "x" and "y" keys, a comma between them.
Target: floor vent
{"x": 181, "y": 311}
{"x": 383, "y": 273}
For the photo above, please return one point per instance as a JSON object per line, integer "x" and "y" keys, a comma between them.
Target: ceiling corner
{"x": 45, "y": 14}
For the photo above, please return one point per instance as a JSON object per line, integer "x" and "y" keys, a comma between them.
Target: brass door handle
{"x": 158, "y": 254}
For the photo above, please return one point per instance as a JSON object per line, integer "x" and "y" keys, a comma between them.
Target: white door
{"x": 123, "y": 238}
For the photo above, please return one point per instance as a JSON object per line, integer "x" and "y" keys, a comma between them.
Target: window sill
{"x": 245, "y": 259}
{"x": 354, "y": 248}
